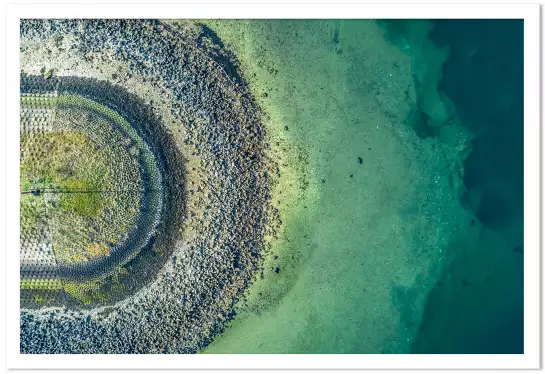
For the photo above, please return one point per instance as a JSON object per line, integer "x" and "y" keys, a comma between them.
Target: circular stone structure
{"x": 97, "y": 189}
{"x": 100, "y": 186}
{"x": 144, "y": 187}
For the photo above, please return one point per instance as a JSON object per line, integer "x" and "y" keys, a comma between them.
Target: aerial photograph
{"x": 292, "y": 186}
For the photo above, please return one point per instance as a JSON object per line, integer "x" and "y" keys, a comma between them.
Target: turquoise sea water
{"x": 399, "y": 145}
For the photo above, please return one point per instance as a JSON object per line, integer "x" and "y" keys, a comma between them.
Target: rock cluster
{"x": 206, "y": 131}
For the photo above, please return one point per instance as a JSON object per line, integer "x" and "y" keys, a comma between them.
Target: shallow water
{"x": 386, "y": 244}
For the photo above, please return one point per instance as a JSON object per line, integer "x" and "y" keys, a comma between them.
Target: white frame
{"x": 529, "y": 12}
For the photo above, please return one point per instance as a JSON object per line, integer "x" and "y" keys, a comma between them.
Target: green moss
{"x": 85, "y": 292}
{"x": 49, "y": 159}
{"x": 147, "y": 158}
{"x": 98, "y": 290}
{"x": 86, "y": 204}
{"x": 26, "y": 184}
{"x": 41, "y": 284}
{"x": 32, "y": 209}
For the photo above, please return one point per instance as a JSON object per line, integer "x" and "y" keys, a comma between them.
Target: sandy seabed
{"x": 320, "y": 136}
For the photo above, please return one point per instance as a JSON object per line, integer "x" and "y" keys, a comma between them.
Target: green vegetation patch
{"x": 41, "y": 284}
{"x": 97, "y": 290}
{"x": 87, "y": 204}
{"x": 62, "y": 161}
{"x": 78, "y": 173}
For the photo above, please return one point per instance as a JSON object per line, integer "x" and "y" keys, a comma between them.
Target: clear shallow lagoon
{"x": 400, "y": 152}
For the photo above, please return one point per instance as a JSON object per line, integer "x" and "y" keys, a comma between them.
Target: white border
{"x": 530, "y": 13}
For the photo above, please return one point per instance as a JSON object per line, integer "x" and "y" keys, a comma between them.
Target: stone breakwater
{"x": 205, "y": 131}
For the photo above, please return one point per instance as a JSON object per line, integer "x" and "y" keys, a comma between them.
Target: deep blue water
{"x": 483, "y": 77}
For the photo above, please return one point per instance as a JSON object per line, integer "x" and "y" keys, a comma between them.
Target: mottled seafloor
{"x": 400, "y": 147}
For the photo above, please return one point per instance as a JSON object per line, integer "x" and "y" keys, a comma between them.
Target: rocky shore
{"x": 206, "y": 131}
